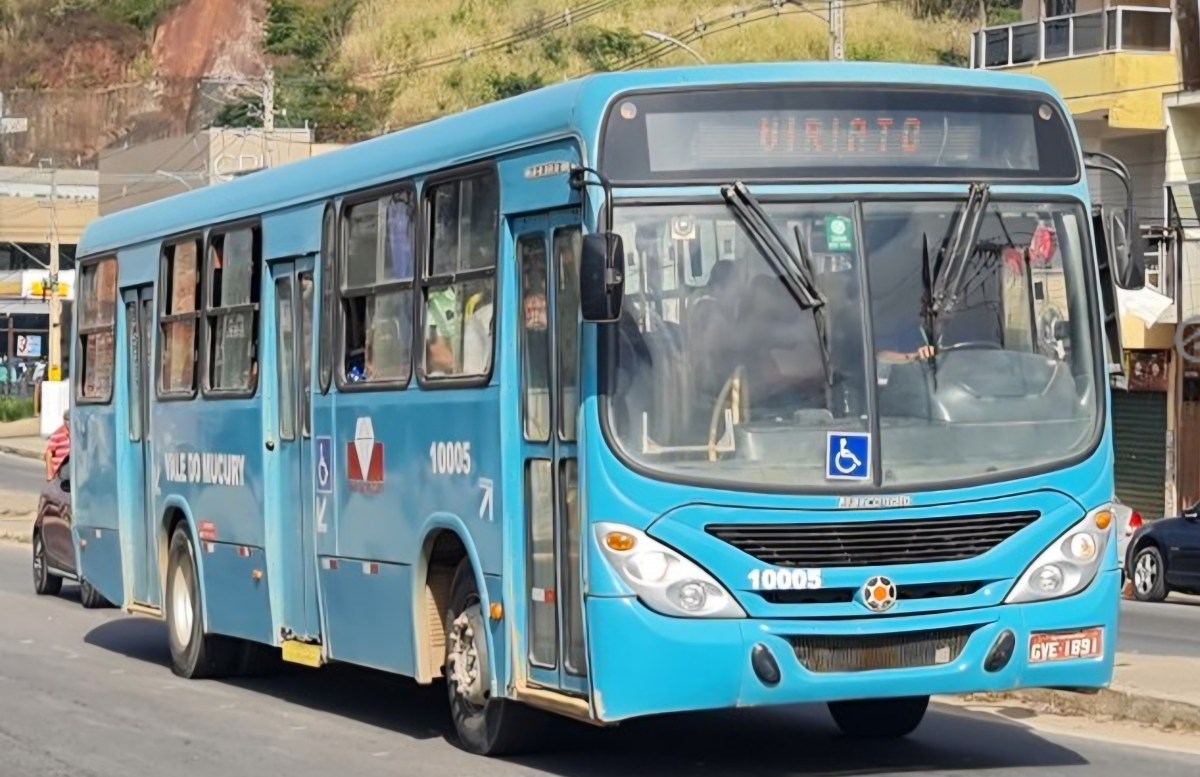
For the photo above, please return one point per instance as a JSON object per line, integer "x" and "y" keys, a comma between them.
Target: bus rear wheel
{"x": 194, "y": 654}
{"x": 879, "y": 718}
{"x": 485, "y": 725}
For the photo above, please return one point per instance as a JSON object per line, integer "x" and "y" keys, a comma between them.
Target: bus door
{"x": 547, "y": 250}
{"x": 139, "y": 324}
{"x": 291, "y": 444}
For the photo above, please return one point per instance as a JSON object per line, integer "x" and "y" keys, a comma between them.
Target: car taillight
{"x": 1135, "y": 523}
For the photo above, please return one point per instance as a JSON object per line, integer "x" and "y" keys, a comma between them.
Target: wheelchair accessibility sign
{"x": 848, "y": 456}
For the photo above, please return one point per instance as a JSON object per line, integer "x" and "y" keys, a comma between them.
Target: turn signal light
{"x": 1103, "y": 520}
{"x": 619, "y": 541}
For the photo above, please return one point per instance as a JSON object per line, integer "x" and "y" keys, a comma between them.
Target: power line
{"x": 559, "y": 22}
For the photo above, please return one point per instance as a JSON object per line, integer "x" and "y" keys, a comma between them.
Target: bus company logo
{"x": 871, "y": 502}
{"x": 364, "y": 459}
{"x": 879, "y": 594}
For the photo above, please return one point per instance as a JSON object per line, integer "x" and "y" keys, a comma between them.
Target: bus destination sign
{"x": 854, "y": 132}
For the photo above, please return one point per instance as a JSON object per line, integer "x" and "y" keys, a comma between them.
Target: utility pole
{"x": 269, "y": 101}
{"x": 55, "y": 335}
{"x": 837, "y": 30}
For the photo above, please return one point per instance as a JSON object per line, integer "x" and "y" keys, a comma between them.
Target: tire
{"x": 485, "y": 725}
{"x": 90, "y": 598}
{"x": 194, "y": 654}
{"x": 879, "y": 718}
{"x": 44, "y": 581}
{"x": 1149, "y": 575}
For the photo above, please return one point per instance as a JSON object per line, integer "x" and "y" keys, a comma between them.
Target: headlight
{"x": 1070, "y": 563}
{"x": 664, "y": 580}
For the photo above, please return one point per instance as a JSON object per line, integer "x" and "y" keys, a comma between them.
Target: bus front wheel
{"x": 485, "y": 725}
{"x": 879, "y": 718}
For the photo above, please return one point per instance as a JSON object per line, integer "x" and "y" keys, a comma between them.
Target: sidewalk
{"x": 1158, "y": 691}
{"x": 22, "y": 438}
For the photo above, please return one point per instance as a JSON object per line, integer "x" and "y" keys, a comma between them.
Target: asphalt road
{"x": 89, "y": 694}
{"x": 1170, "y": 628}
{"x": 21, "y": 474}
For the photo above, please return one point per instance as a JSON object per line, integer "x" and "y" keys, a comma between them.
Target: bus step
{"x": 302, "y": 653}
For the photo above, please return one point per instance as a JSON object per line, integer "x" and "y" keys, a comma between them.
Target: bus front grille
{"x": 873, "y": 543}
{"x": 905, "y": 650}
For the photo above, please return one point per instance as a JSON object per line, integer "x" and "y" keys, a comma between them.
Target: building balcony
{"x": 1134, "y": 29}
{"x": 1114, "y": 63}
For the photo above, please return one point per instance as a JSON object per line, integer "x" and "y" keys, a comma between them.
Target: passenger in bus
{"x": 442, "y": 331}
{"x": 781, "y": 349}
{"x": 477, "y": 333}
{"x": 711, "y": 323}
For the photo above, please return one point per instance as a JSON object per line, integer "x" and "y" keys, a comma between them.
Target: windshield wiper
{"x": 949, "y": 275}
{"x": 795, "y": 269}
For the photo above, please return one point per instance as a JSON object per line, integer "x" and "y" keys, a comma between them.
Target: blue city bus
{"x": 644, "y": 393}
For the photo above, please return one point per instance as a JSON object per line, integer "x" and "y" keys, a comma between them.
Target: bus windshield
{"x": 717, "y": 366}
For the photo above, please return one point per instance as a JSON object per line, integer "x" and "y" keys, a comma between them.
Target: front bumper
{"x": 644, "y": 663}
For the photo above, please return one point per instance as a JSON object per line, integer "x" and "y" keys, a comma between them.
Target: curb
{"x": 25, "y": 454}
{"x": 1166, "y": 714}
{"x": 20, "y": 538}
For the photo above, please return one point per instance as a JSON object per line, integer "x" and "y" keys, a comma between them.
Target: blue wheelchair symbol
{"x": 324, "y": 465}
{"x": 848, "y": 456}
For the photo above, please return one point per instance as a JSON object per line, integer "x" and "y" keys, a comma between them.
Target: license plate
{"x": 1066, "y": 647}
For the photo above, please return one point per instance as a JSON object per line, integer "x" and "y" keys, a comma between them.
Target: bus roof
{"x": 571, "y": 108}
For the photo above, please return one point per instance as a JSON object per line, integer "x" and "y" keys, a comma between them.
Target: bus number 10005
{"x": 781, "y": 579}
{"x": 450, "y": 458}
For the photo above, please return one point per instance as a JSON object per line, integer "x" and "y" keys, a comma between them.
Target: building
{"x": 42, "y": 210}
{"x": 135, "y": 175}
{"x": 1120, "y": 69}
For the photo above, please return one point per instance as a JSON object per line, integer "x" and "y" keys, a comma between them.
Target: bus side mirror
{"x": 602, "y": 277}
{"x": 1128, "y": 258}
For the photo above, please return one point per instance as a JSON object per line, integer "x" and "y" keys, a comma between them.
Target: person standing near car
{"x": 58, "y": 448}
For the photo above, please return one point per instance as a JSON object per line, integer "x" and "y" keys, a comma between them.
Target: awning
{"x": 1148, "y": 305}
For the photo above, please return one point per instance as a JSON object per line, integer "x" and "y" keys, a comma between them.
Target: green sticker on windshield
{"x": 839, "y": 233}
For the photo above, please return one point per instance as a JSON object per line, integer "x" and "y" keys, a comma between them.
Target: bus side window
{"x": 460, "y": 277}
{"x": 231, "y": 308}
{"x": 535, "y": 340}
{"x": 179, "y": 318}
{"x": 377, "y": 290}
{"x": 97, "y": 330}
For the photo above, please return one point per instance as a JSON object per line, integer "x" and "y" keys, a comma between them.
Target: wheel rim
{"x": 181, "y": 608}
{"x": 1145, "y": 573}
{"x": 39, "y": 560}
{"x": 464, "y": 669}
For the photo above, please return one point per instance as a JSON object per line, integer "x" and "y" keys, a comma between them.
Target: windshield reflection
{"x": 718, "y": 369}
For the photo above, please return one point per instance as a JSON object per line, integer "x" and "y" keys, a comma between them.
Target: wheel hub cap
{"x": 464, "y": 670}
{"x": 181, "y": 608}
{"x": 1145, "y": 574}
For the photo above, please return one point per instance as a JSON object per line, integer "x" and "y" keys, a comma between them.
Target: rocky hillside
{"x": 91, "y": 73}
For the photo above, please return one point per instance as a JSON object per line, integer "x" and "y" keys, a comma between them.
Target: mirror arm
{"x": 1101, "y": 161}
{"x": 579, "y": 182}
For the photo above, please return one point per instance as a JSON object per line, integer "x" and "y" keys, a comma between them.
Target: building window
{"x": 460, "y": 280}
{"x": 377, "y": 288}
{"x": 179, "y": 317}
{"x": 97, "y": 330}
{"x": 232, "y": 308}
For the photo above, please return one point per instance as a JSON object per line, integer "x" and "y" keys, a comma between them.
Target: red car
{"x": 54, "y": 544}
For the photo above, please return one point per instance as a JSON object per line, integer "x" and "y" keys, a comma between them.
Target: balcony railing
{"x": 1123, "y": 28}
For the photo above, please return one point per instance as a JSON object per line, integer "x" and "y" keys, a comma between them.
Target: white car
{"x": 1128, "y": 521}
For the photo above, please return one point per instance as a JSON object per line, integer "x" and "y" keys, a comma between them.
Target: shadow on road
{"x": 779, "y": 741}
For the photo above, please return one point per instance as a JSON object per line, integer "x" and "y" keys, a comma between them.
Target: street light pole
{"x": 55, "y": 371}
